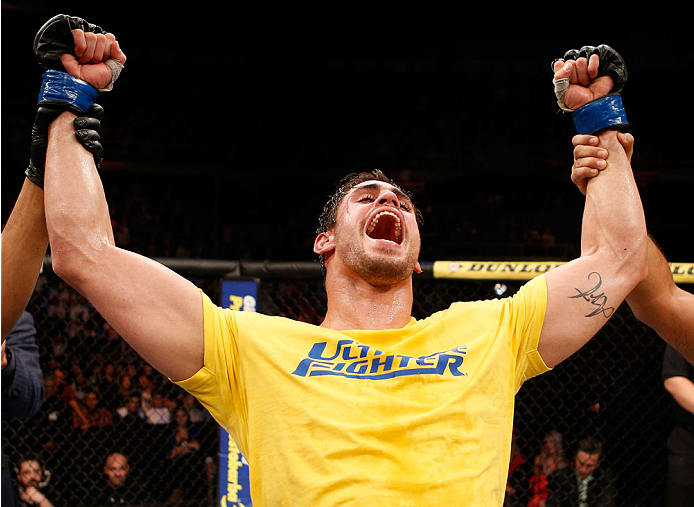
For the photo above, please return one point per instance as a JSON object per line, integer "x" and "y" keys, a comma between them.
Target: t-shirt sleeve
{"x": 216, "y": 384}
{"x": 527, "y": 309}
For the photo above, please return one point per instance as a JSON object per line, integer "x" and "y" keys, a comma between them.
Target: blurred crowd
{"x": 106, "y": 409}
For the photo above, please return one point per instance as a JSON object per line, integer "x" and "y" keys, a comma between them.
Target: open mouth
{"x": 385, "y": 225}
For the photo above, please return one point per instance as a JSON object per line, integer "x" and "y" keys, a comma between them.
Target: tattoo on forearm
{"x": 595, "y": 299}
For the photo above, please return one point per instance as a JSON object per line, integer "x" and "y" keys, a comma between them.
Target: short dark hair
{"x": 29, "y": 456}
{"x": 591, "y": 446}
{"x": 328, "y": 216}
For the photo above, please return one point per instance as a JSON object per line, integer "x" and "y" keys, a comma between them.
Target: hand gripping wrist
{"x": 87, "y": 128}
{"x": 59, "y": 92}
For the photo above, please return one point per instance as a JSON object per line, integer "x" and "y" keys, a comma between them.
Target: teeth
{"x": 373, "y": 223}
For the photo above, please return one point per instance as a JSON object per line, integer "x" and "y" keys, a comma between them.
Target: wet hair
{"x": 328, "y": 216}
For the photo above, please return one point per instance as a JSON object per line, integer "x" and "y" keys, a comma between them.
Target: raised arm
{"x": 657, "y": 301}
{"x": 584, "y": 293}
{"x": 25, "y": 237}
{"x": 24, "y": 244}
{"x": 157, "y": 311}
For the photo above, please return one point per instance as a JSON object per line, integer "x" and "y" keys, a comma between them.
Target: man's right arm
{"x": 158, "y": 312}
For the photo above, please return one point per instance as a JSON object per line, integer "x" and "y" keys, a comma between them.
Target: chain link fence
{"x": 101, "y": 398}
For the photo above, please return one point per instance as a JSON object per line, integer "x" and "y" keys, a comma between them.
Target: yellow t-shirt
{"x": 415, "y": 416}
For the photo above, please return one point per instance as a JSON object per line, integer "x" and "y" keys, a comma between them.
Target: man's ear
{"x": 417, "y": 268}
{"x": 324, "y": 242}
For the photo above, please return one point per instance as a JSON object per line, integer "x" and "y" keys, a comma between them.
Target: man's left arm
{"x": 657, "y": 301}
{"x": 584, "y": 293}
{"x": 22, "y": 378}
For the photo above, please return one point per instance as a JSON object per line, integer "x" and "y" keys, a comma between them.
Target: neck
{"x": 354, "y": 303}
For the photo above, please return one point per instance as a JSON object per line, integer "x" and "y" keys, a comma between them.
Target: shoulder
{"x": 605, "y": 475}
{"x": 563, "y": 473}
{"x": 562, "y": 478}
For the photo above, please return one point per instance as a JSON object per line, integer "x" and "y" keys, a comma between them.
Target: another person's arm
{"x": 657, "y": 300}
{"x": 677, "y": 378}
{"x": 682, "y": 390}
{"x": 24, "y": 245}
{"x": 25, "y": 237}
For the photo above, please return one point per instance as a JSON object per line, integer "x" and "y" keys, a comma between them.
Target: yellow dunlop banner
{"x": 682, "y": 272}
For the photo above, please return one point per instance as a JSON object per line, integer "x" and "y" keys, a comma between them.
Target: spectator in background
{"x": 196, "y": 412}
{"x": 548, "y": 461}
{"x": 125, "y": 387}
{"x": 184, "y": 446}
{"x": 30, "y": 480}
{"x": 93, "y": 423}
{"x": 107, "y": 385}
{"x": 158, "y": 413}
{"x": 146, "y": 387}
{"x": 116, "y": 486}
{"x": 587, "y": 483}
{"x": 65, "y": 392}
{"x": 79, "y": 383}
{"x": 131, "y": 431}
{"x": 54, "y": 423}
{"x": 678, "y": 379}
{"x": 183, "y": 436}
{"x": 90, "y": 414}
{"x": 130, "y": 412}
{"x": 22, "y": 385}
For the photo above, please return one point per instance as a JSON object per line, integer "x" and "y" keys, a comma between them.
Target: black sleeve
{"x": 675, "y": 365}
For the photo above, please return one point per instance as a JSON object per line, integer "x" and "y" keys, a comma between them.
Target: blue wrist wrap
{"x": 62, "y": 87}
{"x": 607, "y": 112}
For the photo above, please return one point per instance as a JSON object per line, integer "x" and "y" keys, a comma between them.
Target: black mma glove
{"x": 55, "y": 38}
{"x": 608, "y": 111}
{"x": 62, "y": 92}
{"x": 86, "y": 131}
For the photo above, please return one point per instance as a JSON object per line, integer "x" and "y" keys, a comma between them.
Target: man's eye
{"x": 405, "y": 206}
{"x": 366, "y": 198}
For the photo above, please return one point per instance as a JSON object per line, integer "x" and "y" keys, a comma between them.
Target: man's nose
{"x": 388, "y": 198}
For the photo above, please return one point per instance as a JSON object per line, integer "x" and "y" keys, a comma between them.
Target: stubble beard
{"x": 379, "y": 270}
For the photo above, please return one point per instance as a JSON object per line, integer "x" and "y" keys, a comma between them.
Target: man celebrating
{"x": 372, "y": 405}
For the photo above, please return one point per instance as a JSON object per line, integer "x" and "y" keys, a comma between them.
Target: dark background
{"x": 225, "y": 125}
